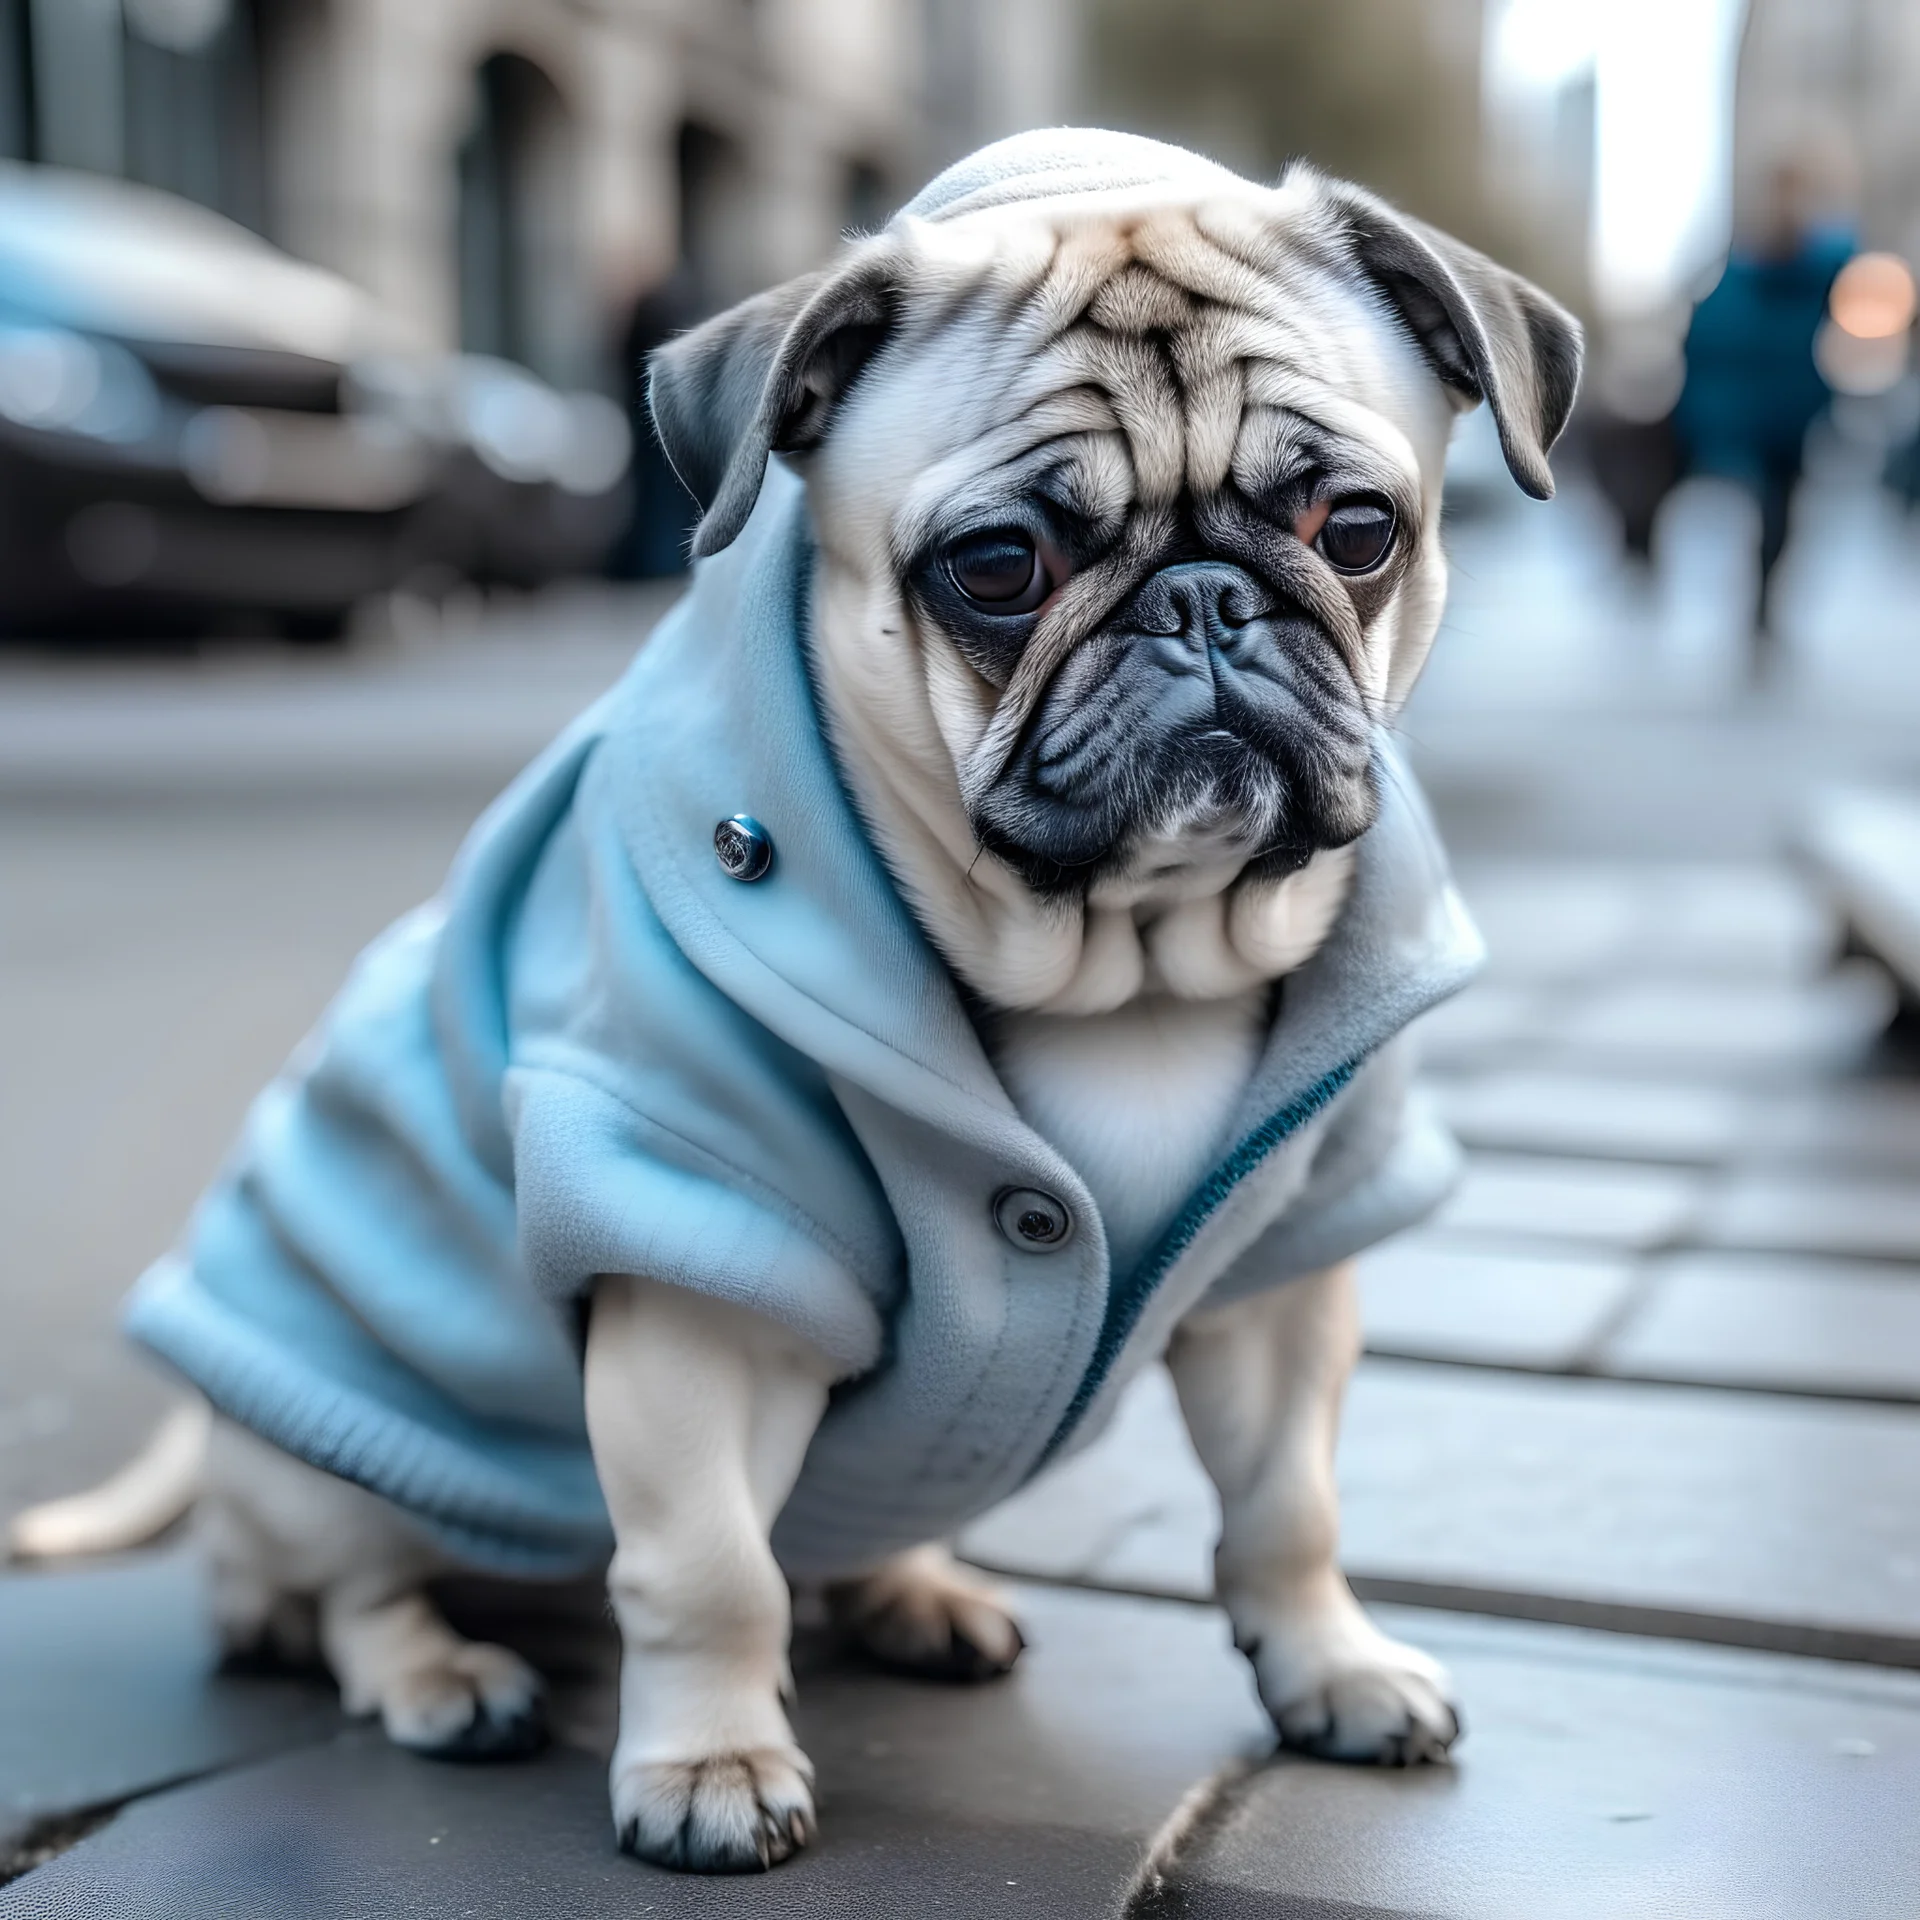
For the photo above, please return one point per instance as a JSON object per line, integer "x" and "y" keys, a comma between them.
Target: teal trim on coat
{"x": 1129, "y": 1299}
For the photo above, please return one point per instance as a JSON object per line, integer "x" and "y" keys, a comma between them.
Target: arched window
{"x": 522, "y": 286}
{"x": 717, "y": 242}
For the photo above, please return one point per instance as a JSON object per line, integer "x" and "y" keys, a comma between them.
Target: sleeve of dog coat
{"x": 1385, "y": 1162}
{"x": 660, "y": 1130}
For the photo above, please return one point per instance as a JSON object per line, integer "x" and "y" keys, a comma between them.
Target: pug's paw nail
{"x": 722, "y": 1813}
{"x": 1383, "y": 1715}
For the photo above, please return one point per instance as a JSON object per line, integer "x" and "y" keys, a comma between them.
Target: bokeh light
{"x": 1873, "y": 298}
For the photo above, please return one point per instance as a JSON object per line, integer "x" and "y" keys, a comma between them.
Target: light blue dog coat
{"x": 598, "y": 1053}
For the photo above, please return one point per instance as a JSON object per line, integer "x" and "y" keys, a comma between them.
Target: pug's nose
{"x": 1204, "y": 603}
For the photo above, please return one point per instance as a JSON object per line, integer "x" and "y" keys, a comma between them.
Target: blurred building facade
{"x": 1832, "y": 87}
{"x": 513, "y": 175}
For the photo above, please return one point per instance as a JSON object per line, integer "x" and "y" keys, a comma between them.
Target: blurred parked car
{"x": 199, "y": 433}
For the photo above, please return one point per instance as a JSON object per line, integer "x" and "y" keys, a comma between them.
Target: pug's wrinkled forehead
{"x": 1074, "y": 398}
{"x": 767, "y": 375}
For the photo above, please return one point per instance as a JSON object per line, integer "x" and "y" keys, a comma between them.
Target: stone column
{"x": 628, "y": 110}
{"x": 404, "y": 89}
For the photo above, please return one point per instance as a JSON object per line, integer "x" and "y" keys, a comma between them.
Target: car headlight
{"x": 62, "y": 382}
{"x": 598, "y": 445}
{"x": 525, "y": 431}
{"x": 409, "y": 390}
{"x": 515, "y": 423}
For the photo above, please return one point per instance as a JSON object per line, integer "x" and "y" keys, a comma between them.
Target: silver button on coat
{"x": 1033, "y": 1221}
{"x": 743, "y": 847}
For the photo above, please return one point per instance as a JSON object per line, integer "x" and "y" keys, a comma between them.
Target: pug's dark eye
{"x": 1001, "y": 573}
{"x": 1357, "y": 536}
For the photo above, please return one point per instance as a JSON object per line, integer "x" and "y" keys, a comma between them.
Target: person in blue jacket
{"x": 1752, "y": 388}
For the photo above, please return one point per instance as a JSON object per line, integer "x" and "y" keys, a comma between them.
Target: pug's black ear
{"x": 1487, "y": 333}
{"x": 764, "y": 377}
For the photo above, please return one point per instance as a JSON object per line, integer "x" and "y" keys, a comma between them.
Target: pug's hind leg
{"x": 435, "y": 1692}
{"x": 700, "y": 1414}
{"x": 1260, "y": 1384}
{"x": 921, "y": 1612}
{"x": 296, "y": 1555}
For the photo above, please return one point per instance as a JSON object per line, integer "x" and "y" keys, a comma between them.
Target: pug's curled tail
{"x": 153, "y": 1490}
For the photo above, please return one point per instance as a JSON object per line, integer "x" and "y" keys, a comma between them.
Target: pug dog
{"x": 967, "y": 961}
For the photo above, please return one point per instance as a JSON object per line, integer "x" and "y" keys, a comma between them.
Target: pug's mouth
{"x": 1208, "y": 731}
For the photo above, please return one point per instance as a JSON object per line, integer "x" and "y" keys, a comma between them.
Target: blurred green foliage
{"x": 1386, "y": 92}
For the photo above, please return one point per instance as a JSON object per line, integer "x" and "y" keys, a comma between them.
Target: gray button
{"x": 743, "y": 847}
{"x": 1033, "y": 1221}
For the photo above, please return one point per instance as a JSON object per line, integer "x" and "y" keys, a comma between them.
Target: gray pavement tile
{"x": 1783, "y": 1211}
{"x": 1862, "y": 1127}
{"x": 107, "y": 1690}
{"x": 1599, "y": 1777}
{"x": 1763, "y": 921}
{"x": 1666, "y": 1025}
{"x": 1837, "y": 1327}
{"x": 1603, "y": 1203}
{"x": 1488, "y": 1022}
{"x": 1563, "y": 920}
{"x": 1865, "y": 846}
{"x": 1797, "y": 1513}
{"x": 1738, "y": 1026}
{"x": 1531, "y": 1110}
{"x": 1792, "y": 1511}
{"x": 1036, "y": 1796}
{"x": 1425, "y": 1296}
{"x": 466, "y": 711}
{"x": 1554, "y": 921}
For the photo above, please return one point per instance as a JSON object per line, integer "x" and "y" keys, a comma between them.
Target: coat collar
{"x": 718, "y": 718}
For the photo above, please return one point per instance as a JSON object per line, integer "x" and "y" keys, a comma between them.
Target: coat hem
{"x": 347, "y": 1433}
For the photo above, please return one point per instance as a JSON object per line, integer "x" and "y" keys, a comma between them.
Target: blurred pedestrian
{"x": 1625, "y": 423}
{"x": 655, "y": 543}
{"x": 1752, "y": 389}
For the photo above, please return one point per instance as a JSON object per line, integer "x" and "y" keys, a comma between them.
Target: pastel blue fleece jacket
{"x": 596, "y": 1052}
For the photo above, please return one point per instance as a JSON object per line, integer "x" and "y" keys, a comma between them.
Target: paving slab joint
{"x": 1204, "y": 1809}
{"x": 1582, "y": 1369}
{"x": 47, "y": 1839}
{"x": 1633, "y": 1619}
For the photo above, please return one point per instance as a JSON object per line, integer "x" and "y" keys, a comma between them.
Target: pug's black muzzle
{"x": 1206, "y": 699}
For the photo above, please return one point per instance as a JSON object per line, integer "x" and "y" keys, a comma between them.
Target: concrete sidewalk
{"x": 1124, "y": 1770}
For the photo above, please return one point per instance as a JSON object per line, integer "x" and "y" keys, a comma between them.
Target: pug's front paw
{"x": 718, "y": 1813}
{"x": 1342, "y": 1690}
